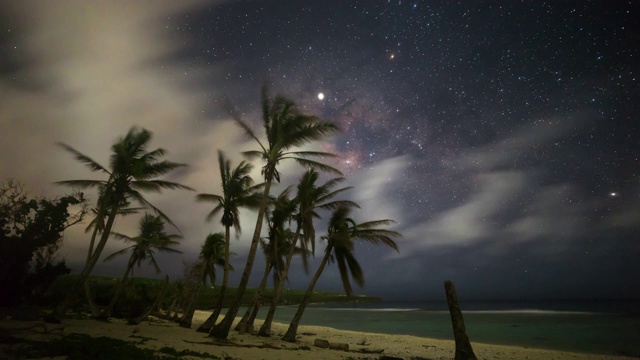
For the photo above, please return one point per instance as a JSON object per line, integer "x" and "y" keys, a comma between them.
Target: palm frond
{"x": 136, "y": 195}
{"x": 152, "y": 170}
{"x": 117, "y": 253}
{"x": 158, "y": 185}
{"x": 310, "y": 164}
{"x": 338, "y": 203}
{"x": 209, "y": 198}
{"x": 83, "y": 184}
{"x": 90, "y": 163}
{"x": 252, "y": 154}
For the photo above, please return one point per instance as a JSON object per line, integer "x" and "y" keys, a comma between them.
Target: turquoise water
{"x": 611, "y": 328}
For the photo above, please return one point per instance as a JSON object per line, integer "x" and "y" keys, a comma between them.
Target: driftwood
{"x": 464, "y": 351}
{"x": 321, "y": 343}
{"x": 339, "y": 346}
{"x": 233, "y": 344}
{"x": 44, "y": 329}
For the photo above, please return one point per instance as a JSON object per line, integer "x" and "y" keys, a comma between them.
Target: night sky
{"x": 501, "y": 136}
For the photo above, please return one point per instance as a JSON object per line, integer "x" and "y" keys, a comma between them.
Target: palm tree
{"x": 285, "y": 128}
{"x": 131, "y": 169}
{"x": 237, "y": 191}
{"x": 278, "y": 217}
{"x": 151, "y": 237}
{"x": 310, "y": 198}
{"x": 342, "y": 232}
{"x": 212, "y": 254}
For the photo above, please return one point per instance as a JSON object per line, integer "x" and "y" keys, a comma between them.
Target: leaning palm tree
{"x": 285, "y": 128}
{"x": 237, "y": 191}
{"x": 131, "y": 169}
{"x": 310, "y": 198}
{"x": 279, "y": 217}
{"x": 212, "y": 254}
{"x": 151, "y": 237}
{"x": 342, "y": 232}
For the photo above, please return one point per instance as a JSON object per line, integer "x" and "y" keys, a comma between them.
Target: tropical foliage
{"x": 287, "y": 134}
{"x": 342, "y": 234}
{"x": 30, "y": 234}
{"x": 151, "y": 237}
{"x": 285, "y": 129}
{"x": 238, "y": 191}
{"x": 132, "y": 170}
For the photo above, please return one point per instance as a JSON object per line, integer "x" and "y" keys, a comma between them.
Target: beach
{"x": 156, "y": 333}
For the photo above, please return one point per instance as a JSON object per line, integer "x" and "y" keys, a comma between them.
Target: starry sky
{"x": 501, "y": 136}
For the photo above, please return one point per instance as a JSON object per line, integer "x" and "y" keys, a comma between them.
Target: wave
{"x": 370, "y": 309}
{"x": 532, "y": 312}
{"x": 479, "y": 312}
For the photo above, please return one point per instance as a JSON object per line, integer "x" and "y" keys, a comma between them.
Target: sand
{"x": 163, "y": 333}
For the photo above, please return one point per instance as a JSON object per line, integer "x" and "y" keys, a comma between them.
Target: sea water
{"x": 598, "y": 327}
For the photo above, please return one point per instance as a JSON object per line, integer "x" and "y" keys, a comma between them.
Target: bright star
{"x": 320, "y": 96}
{"x": 613, "y": 194}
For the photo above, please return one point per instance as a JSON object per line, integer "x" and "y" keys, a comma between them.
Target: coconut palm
{"x": 285, "y": 128}
{"x": 310, "y": 198}
{"x": 212, "y": 254}
{"x": 279, "y": 217}
{"x": 151, "y": 237}
{"x": 237, "y": 191}
{"x": 132, "y": 169}
{"x": 342, "y": 232}
{"x": 97, "y": 224}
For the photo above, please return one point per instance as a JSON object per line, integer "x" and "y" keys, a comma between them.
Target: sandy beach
{"x": 160, "y": 333}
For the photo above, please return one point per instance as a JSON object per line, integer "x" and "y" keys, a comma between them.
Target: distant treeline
{"x": 140, "y": 292}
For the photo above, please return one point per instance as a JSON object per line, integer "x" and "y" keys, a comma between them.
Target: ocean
{"x": 597, "y": 327}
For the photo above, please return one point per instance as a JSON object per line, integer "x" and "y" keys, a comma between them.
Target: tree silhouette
{"x": 237, "y": 191}
{"x": 310, "y": 198}
{"x": 132, "y": 169}
{"x": 151, "y": 237}
{"x": 342, "y": 232}
{"x": 285, "y": 129}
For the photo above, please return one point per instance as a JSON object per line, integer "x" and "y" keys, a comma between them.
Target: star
{"x": 320, "y": 96}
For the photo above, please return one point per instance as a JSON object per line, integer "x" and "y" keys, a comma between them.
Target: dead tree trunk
{"x": 463, "y": 346}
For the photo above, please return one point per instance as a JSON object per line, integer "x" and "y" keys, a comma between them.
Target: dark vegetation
{"x": 80, "y": 347}
{"x": 30, "y": 234}
{"x": 140, "y": 293}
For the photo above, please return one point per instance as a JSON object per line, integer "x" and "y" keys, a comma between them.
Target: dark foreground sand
{"x": 361, "y": 345}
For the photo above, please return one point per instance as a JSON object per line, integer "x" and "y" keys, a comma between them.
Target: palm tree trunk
{"x": 92, "y": 305}
{"x": 291, "y": 333}
{"x": 221, "y": 331}
{"x": 107, "y": 312}
{"x": 60, "y": 310}
{"x": 93, "y": 240}
{"x": 246, "y": 323}
{"x": 187, "y": 318}
{"x": 265, "y": 329}
{"x": 99, "y": 215}
{"x": 211, "y": 320}
{"x": 154, "y": 307}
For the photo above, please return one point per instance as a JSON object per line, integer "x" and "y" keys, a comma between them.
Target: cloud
{"x": 373, "y": 187}
{"x": 472, "y": 221}
{"x": 511, "y": 203}
{"x": 89, "y": 71}
{"x": 526, "y": 140}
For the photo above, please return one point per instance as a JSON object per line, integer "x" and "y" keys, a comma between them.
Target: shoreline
{"x": 160, "y": 333}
